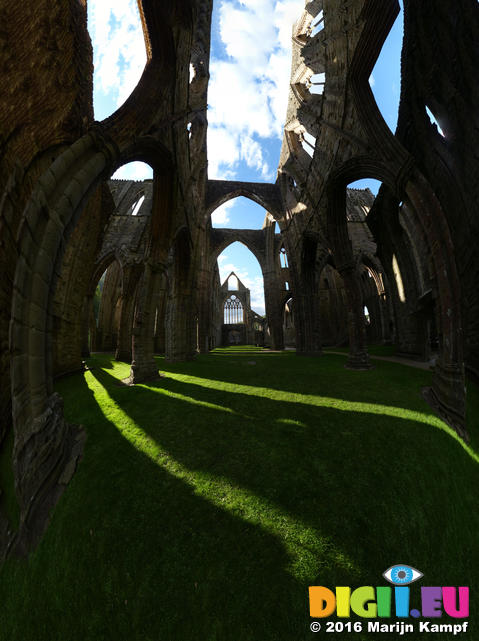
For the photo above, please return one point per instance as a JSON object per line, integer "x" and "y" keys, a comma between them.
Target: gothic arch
{"x": 238, "y": 236}
{"x": 266, "y": 195}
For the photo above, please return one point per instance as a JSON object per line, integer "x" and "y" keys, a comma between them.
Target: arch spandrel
{"x": 252, "y": 239}
{"x": 266, "y": 195}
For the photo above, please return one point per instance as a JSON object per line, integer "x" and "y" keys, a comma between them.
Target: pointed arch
{"x": 266, "y": 195}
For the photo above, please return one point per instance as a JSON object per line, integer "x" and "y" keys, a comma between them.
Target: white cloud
{"x": 134, "y": 171}
{"x": 372, "y": 81}
{"x": 118, "y": 45}
{"x": 252, "y": 154}
{"x": 220, "y": 216}
{"x": 254, "y": 284}
{"x": 248, "y": 91}
{"x": 222, "y": 150}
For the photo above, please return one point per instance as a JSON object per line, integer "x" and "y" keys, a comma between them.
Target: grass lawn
{"x": 373, "y": 350}
{"x": 209, "y": 500}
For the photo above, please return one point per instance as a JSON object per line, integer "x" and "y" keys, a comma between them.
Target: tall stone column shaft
{"x": 143, "y": 365}
{"x": 358, "y": 352}
{"x": 181, "y": 327}
{"x": 127, "y": 308}
{"x": 205, "y": 307}
{"x": 274, "y": 311}
{"x": 85, "y": 327}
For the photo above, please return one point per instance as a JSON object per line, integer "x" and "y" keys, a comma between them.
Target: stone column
{"x": 143, "y": 365}
{"x": 181, "y": 327}
{"x": 160, "y": 339}
{"x": 307, "y": 321}
{"x": 306, "y": 309}
{"x": 273, "y": 308}
{"x": 358, "y": 352}
{"x": 85, "y": 326}
{"x": 123, "y": 348}
{"x": 127, "y": 308}
{"x": 205, "y": 307}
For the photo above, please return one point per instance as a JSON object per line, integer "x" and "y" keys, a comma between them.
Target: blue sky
{"x": 247, "y": 98}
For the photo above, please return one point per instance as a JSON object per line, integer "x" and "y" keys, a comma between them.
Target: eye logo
{"x": 369, "y": 602}
{"x": 402, "y": 575}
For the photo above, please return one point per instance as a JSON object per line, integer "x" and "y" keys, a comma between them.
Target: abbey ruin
{"x": 408, "y": 256}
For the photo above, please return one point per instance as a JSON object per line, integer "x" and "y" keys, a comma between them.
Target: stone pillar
{"x": 306, "y": 307}
{"x": 127, "y": 308}
{"x": 358, "y": 352}
{"x": 205, "y": 307}
{"x": 181, "y": 327}
{"x": 274, "y": 311}
{"x": 448, "y": 395}
{"x": 160, "y": 338}
{"x": 143, "y": 365}
{"x": 123, "y": 347}
{"x": 307, "y": 321}
{"x": 85, "y": 326}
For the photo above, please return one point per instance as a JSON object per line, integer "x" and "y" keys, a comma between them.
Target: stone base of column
{"x": 44, "y": 463}
{"x": 359, "y": 361}
{"x": 448, "y": 397}
{"x": 313, "y": 352}
{"x": 141, "y": 373}
{"x": 123, "y": 355}
{"x": 180, "y": 357}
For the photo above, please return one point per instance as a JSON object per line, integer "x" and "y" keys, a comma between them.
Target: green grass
{"x": 374, "y": 350}
{"x": 208, "y": 501}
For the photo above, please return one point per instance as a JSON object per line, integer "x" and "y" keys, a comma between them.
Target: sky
{"x": 247, "y": 98}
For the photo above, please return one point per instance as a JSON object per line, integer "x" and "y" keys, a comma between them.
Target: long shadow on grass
{"x": 323, "y": 375}
{"x": 387, "y": 383}
{"x": 133, "y": 553}
{"x": 379, "y": 488}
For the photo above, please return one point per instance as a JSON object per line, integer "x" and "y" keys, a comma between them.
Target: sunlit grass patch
{"x": 208, "y": 500}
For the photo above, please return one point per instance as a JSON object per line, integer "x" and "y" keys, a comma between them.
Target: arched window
{"x": 288, "y": 314}
{"x": 316, "y": 83}
{"x": 233, "y": 311}
{"x": 308, "y": 142}
{"x": 135, "y": 208}
{"x": 398, "y": 279}
{"x": 283, "y": 257}
{"x": 317, "y": 24}
{"x": 233, "y": 283}
{"x": 367, "y": 317}
{"x": 434, "y": 121}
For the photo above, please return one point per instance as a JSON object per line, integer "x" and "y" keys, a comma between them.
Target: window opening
{"x": 316, "y": 83}
{"x": 308, "y": 142}
{"x": 233, "y": 283}
{"x": 398, "y": 279}
{"x": 288, "y": 314}
{"x": 434, "y": 121}
{"x": 317, "y": 24}
{"x": 283, "y": 258}
{"x": 233, "y": 311}
{"x": 135, "y": 208}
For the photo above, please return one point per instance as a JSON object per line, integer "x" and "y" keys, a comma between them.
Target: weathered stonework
{"x": 62, "y": 224}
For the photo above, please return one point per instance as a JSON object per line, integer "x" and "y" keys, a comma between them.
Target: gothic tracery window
{"x": 135, "y": 208}
{"x": 233, "y": 311}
